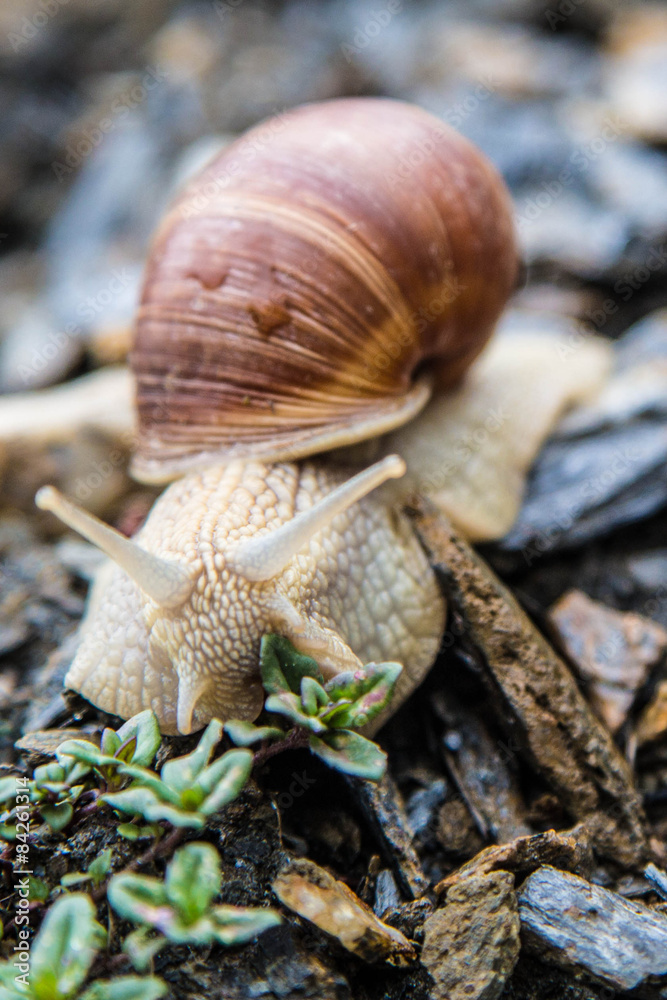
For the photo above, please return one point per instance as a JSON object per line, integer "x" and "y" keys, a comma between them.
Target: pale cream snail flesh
{"x": 308, "y": 299}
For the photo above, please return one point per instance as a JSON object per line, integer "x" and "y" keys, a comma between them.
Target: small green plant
{"x": 59, "y": 960}
{"x": 51, "y": 793}
{"x": 188, "y": 789}
{"x": 56, "y": 787}
{"x": 136, "y": 742}
{"x": 180, "y": 908}
{"x": 96, "y": 872}
{"x": 327, "y": 711}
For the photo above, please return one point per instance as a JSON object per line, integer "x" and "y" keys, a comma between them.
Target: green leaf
{"x": 65, "y": 947}
{"x": 110, "y": 742}
{"x": 100, "y": 866}
{"x": 9, "y": 988}
{"x": 145, "y": 778}
{"x": 282, "y": 666}
{"x": 128, "y": 830}
{"x": 193, "y": 879}
{"x": 84, "y": 752}
{"x": 244, "y": 734}
{"x": 144, "y": 727}
{"x": 51, "y": 772}
{"x": 76, "y": 773}
{"x": 181, "y": 773}
{"x": 9, "y": 789}
{"x": 37, "y": 889}
{"x": 127, "y": 988}
{"x": 56, "y": 816}
{"x": 139, "y": 898}
{"x": 351, "y": 753}
{"x": 224, "y": 780}
{"x": 368, "y": 692}
{"x": 290, "y": 705}
{"x": 125, "y": 751}
{"x": 313, "y": 696}
{"x": 143, "y": 802}
{"x": 141, "y": 946}
{"x": 238, "y": 924}
{"x": 73, "y": 878}
{"x": 131, "y": 831}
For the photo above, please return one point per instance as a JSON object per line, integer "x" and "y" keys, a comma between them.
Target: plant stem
{"x": 164, "y": 846}
{"x": 294, "y": 740}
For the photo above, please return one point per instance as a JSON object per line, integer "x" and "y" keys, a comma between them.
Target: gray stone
{"x": 471, "y": 945}
{"x": 571, "y": 922}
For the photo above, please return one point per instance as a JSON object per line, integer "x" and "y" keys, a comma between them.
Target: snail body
{"x": 312, "y": 298}
{"x": 359, "y": 590}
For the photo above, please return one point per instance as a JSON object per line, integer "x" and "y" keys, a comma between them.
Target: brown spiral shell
{"x": 305, "y": 281}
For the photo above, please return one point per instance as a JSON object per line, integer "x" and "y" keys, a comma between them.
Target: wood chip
{"x": 480, "y": 772}
{"x": 45, "y": 742}
{"x": 570, "y": 850}
{"x": 314, "y": 894}
{"x": 613, "y": 652}
{"x": 381, "y": 804}
{"x": 471, "y": 945}
{"x": 571, "y": 922}
{"x": 537, "y": 697}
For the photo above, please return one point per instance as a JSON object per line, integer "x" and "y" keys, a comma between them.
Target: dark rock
{"x": 482, "y": 770}
{"x": 382, "y": 806}
{"x": 583, "y": 926}
{"x": 606, "y": 464}
{"x": 423, "y": 804}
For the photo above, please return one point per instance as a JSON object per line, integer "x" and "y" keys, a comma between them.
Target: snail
{"x": 314, "y": 287}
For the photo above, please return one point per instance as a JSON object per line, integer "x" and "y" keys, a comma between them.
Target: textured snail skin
{"x": 291, "y": 297}
{"x": 362, "y": 590}
{"x": 301, "y": 281}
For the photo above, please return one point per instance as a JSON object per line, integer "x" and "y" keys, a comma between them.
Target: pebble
{"x": 613, "y": 652}
{"x": 636, "y": 72}
{"x": 471, "y": 945}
